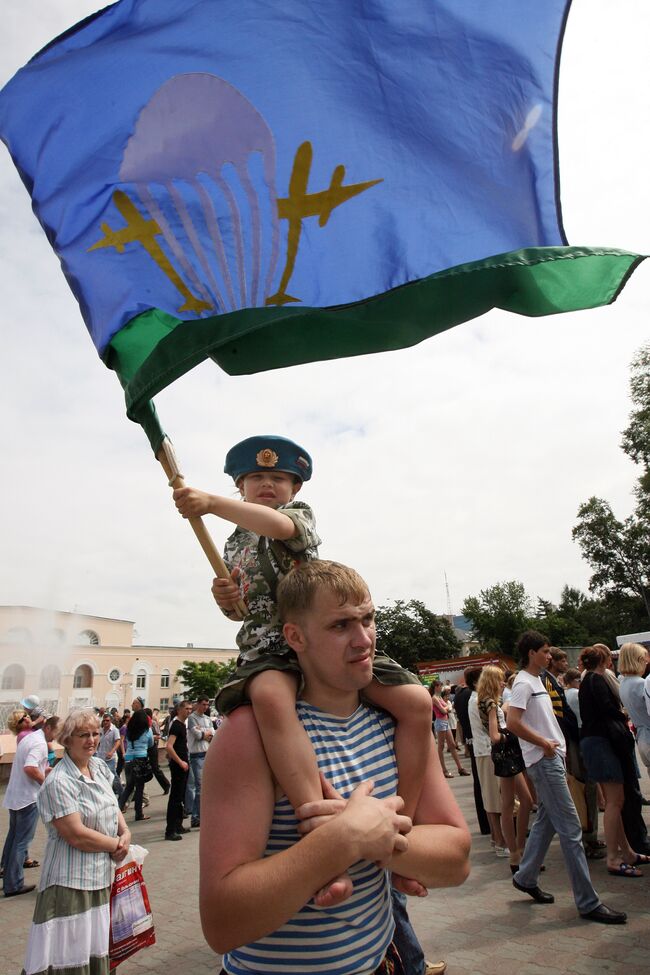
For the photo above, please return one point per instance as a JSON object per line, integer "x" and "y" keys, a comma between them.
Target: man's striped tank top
{"x": 351, "y": 938}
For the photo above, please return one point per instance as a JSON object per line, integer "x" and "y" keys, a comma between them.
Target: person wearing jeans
{"x": 531, "y": 718}
{"x": 199, "y": 735}
{"x": 28, "y": 771}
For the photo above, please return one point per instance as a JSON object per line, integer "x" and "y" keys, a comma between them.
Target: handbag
{"x": 142, "y": 770}
{"x": 507, "y": 757}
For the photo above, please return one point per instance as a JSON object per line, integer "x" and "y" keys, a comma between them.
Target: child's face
{"x": 271, "y": 488}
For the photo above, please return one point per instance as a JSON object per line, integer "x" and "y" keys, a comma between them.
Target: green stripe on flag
{"x": 155, "y": 348}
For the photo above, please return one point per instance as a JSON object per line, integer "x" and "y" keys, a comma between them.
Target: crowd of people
{"x": 563, "y": 742}
{"x": 575, "y": 737}
{"x": 81, "y": 797}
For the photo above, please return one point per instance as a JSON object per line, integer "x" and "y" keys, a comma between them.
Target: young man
{"x": 199, "y": 736}
{"x": 258, "y": 877}
{"x": 531, "y": 718}
{"x": 177, "y": 753}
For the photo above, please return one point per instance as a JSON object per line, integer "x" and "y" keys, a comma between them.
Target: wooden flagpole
{"x": 168, "y": 461}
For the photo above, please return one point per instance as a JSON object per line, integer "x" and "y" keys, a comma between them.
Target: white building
{"x": 74, "y": 660}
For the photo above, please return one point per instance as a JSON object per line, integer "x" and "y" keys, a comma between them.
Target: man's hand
{"x": 192, "y": 503}
{"x": 374, "y": 826}
{"x": 550, "y": 747}
{"x": 124, "y": 841}
{"x": 226, "y": 591}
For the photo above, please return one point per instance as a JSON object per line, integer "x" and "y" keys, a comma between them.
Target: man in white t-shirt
{"x": 28, "y": 771}
{"x": 531, "y": 718}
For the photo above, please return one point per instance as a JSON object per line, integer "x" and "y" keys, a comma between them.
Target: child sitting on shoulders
{"x": 273, "y": 534}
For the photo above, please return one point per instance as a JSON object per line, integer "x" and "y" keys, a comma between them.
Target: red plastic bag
{"x": 131, "y": 918}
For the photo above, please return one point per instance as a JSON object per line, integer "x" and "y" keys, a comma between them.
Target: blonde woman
{"x": 489, "y": 690}
{"x": 86, "y": 832}
{"x": 632, "y": 664}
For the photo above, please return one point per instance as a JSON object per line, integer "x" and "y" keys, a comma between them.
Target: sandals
{"x": 641, "y": 858}
{"x": 624, "y": 870}
{"x": 594, "y": 853}
{"x": 463, "y": 771}
{"x": 449, "y": 775}
{"x": 28, "y": 864}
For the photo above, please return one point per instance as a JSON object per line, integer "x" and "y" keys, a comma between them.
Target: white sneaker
{"x": 502, "y": 851}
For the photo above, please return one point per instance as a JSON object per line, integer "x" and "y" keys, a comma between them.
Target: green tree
{"x": 498, "y": 615}
{"x": 409, "y": 632}
{"x": 560, "y": 624}
{"x": 206, "y": 677}
{"x": 636, "y": 436}
{"x": 619, "y": 551}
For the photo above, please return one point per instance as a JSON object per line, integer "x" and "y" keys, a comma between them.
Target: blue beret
{"x": 267, "y": 453}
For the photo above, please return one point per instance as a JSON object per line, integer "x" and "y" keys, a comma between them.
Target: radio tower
{"x": 450, "y": 615}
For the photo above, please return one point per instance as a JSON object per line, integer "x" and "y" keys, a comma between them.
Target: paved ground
{"x": 481, "y": 928}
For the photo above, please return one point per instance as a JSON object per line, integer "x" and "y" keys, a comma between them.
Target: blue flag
{"x": 297, "y": 170}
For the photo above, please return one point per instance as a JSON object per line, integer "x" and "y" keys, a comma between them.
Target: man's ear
{"x": 294, "y": 636}
{"x": 297, "y": 484}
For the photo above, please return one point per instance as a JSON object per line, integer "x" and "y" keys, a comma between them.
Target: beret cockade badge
{"x": 267, "y": 458}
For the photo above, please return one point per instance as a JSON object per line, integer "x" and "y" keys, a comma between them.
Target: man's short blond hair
{"x": 298, "y": 589}
{"x": 632, "y": 659}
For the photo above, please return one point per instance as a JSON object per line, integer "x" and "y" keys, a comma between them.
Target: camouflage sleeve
{"x": 306, "y": 536}
{"x": 229, "y": 554}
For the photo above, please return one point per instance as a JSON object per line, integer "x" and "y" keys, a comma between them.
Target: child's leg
{"x": 286, "y": 743}
{"x": 290, "y": 754}
{"x": 410, "y": 705}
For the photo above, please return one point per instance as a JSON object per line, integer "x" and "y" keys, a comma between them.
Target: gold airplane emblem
{"x": 142, "y": 231}
{"x": 300, "y": 204}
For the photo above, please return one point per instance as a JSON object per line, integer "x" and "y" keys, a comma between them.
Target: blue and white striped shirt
{"x": 351, "y": 938}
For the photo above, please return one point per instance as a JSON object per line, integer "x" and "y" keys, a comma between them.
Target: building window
{"x": 13, "y": 678}
{"x": 83, "y": 676}
{"x": 141, "y": 679}
{"x": 164, "y": 678}
{"x": 114, "y": 675}
{"x": 164, "y": 703}
{"x": 50, "y": 676}
{"x": 87, "y": 638}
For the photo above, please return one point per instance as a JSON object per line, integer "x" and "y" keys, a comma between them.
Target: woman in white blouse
{"x": 85, "y": 832}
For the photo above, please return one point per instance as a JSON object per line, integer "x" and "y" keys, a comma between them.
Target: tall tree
{"x": 499, "y": 614}
{"x": 619, "y": 551}
{"x": 636, "y": 436}
{"x": 409, "y": 632}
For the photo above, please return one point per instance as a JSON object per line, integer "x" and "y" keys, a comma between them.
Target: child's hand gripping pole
{"x": 169, "y": 464}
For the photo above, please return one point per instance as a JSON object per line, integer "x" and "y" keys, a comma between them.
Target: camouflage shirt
{"x": 262, "y": 563}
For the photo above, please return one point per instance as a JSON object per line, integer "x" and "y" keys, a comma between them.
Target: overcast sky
{"x": 468, "y": 454}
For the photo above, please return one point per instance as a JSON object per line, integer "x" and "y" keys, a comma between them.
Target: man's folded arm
{"x": 439, "y": 843}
